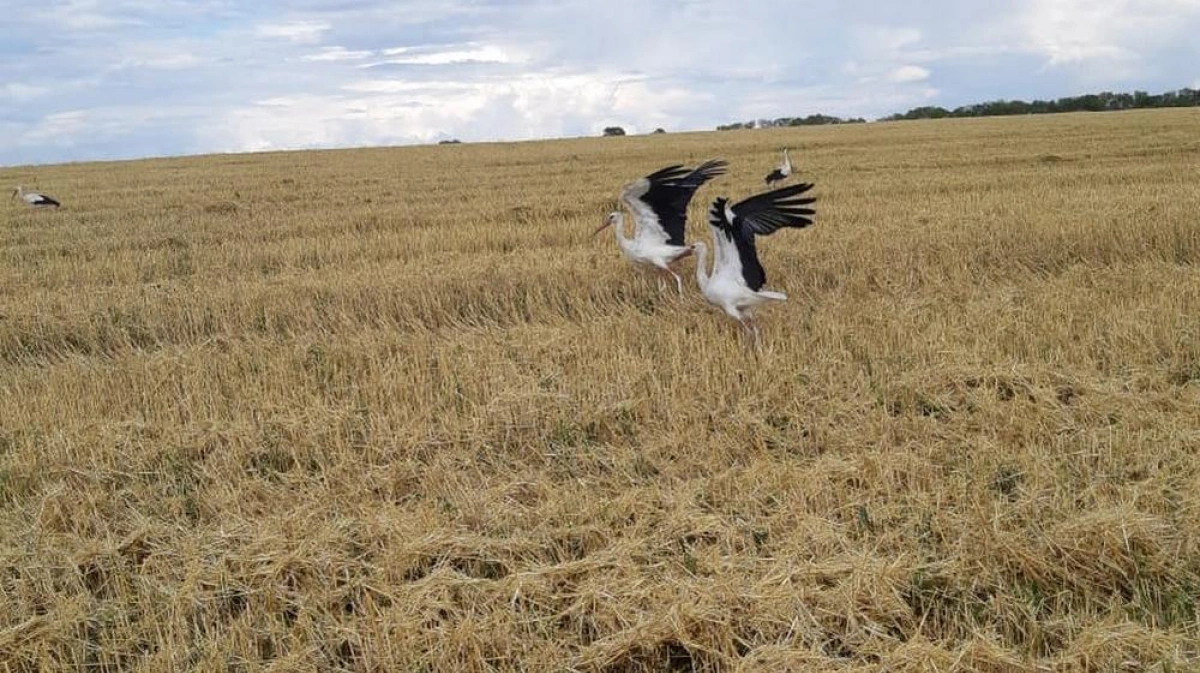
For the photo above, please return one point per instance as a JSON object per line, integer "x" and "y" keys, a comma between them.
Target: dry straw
{"x": 393, "y": 410}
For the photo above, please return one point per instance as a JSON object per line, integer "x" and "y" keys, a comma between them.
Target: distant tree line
{"x": 810, "y": 120}
{"x": 1094, "y": 102}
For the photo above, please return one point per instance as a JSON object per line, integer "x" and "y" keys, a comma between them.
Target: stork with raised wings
{"x": 658, "y": 204}
{"x": 736, "y": 282}
{"x": 782, "y": 171}
{"x": 34, "y": 199}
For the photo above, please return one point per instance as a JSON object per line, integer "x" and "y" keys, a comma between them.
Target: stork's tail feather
{"x": 771, "y": 294}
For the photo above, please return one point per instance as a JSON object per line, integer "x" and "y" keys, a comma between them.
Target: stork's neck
{"x": 619, "y": 231}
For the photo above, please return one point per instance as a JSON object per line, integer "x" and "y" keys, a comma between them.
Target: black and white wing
{"x": 36, "y": 199}
{"x": 775, "y": 176}
{"x": 764, "y": 214}
{"x": 782, "y": 171}
{"x": 760, "y": 215}
{"x": 659, "y": 202}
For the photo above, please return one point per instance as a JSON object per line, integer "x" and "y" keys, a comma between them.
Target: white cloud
{"x": 908, "y": 73}
{"x": 1069, "y": 31}
{"x": 85, "y": 16}
{"x": 392, "y": 111}
{"x": 161, "y": 60}
{"x": 338, "y": 54}
{"x": 400, "y": 86}
{"x": 471, "y": 53}
{"x": 20, "y": 93}
{"x": 1115, "y": 33}
{"x": 60, "y": 128}
{"x": 305, "y": 32}
{"x": 885, "y": 40}
{"x": 121, "y": 77}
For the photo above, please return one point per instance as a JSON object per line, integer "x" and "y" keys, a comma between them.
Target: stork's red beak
{"x": 602, "y": 227}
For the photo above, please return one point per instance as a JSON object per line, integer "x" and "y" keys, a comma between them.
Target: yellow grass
{"x": 393, "y": 410}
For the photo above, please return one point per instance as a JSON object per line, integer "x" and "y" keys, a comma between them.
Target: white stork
{"x": 782, "y": 171}
{"x": 34, "y": 198}
{"x": 735, "y": 285}
{"x": 658, "y": 203}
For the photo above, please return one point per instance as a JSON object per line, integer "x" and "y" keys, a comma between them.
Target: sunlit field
{"x": 395, "y": 410}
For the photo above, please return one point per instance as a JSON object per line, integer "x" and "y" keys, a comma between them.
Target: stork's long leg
{"x": 660, "y": 275}
{"x": 750, "y": 342}
{"x": 663, "y": 272}
{"x": 671, "y": 269}
{"x": 745, "y": 325}
{"x": 755, "y": 332}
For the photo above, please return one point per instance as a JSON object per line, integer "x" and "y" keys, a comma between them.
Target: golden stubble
{"x": 393, "y": 409}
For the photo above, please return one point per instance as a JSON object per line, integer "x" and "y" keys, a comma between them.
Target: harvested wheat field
{"x": 395, "y": 410}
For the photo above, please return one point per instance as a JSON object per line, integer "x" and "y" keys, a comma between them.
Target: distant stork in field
{"x": 735, "y": 285}
{"x": 782, "y": 171}
{"x": 659, "y": 203}
{"x": 34, "y": 199}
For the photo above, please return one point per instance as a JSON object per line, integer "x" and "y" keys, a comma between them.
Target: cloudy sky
{"x": 109, "y": 79}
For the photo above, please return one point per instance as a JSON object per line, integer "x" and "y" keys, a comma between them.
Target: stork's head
{"x": 614, "y": 219}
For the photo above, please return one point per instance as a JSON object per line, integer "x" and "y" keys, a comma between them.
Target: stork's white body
{"x": 658, "y": 204}
{"x": 725, "y": 288}
{"x": 35, "y": 199}
{"x": 648, "y": 251}
{"x": 735, "y": 284}
{"x": 782, "y": 171}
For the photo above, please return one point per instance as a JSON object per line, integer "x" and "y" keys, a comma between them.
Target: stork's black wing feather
{"x": 671, "y": 190}
{"x": 743, "y": 241}
{"x": 764, "y": 214}
{"x": 761, "y": 215}
{"x": 667, "y": 174}
{"x": 44, "y": 200}
{"x": 752, "y": 270}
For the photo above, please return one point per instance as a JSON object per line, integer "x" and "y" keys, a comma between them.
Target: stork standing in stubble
{"x": 35, "y": 199}
{"x": 782, "y": 171}
{"x": 736, "y": 283}
{"x": 658, "y": 204}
